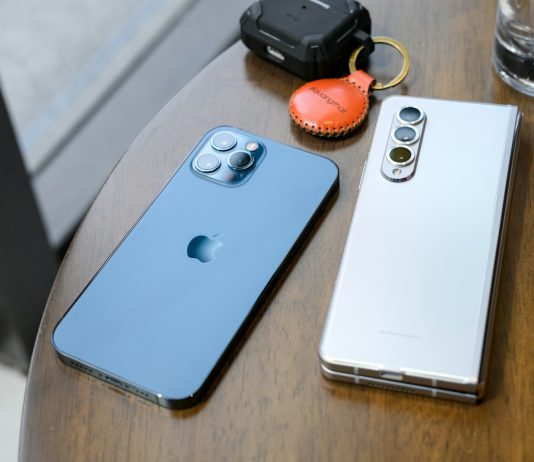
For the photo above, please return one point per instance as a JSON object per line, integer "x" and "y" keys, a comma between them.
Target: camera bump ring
{"x": 405, "y": 65}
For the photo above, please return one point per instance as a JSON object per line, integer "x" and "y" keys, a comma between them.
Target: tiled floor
{"x": 12, "y": 385}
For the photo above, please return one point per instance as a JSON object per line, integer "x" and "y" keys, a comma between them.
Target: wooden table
{"x": 272, "y": 403}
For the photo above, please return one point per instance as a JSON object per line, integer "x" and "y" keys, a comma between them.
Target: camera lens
{"x": 405, "y": 134}
{"x": 410, "y": 114}
{"x": 400, "y": 155}
{"x": 240, "y": 160}
{"x": 223, "y": 141}
{"x": 207, "y": 163}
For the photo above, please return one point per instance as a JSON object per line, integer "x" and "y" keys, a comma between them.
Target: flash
{"x": 397, "y": 171}
{"x": 252, "y": 146}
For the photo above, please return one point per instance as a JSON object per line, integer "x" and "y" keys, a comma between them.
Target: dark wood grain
{"x": 272, "y": 403}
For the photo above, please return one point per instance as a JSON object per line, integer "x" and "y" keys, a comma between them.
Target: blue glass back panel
{"x": 163, "y": 309}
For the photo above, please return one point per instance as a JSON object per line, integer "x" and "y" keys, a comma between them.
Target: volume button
{"x": 363, "y": 173}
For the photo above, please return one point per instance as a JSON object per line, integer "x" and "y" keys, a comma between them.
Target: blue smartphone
{"x": 166, "y": 310}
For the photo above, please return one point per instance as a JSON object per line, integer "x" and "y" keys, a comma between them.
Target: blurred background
{"x": 78, "y": 82}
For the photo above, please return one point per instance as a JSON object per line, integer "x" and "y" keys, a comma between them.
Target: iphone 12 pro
{"x": 162, "y": 315}
{"x": 416, "y": 291}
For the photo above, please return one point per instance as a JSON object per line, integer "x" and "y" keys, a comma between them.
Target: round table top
{"x": 271, "y": 402}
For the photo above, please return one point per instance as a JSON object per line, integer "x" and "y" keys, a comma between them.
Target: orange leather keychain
{"x": 335, "y": 107}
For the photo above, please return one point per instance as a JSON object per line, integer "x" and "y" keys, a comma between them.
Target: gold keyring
{"x": 395, "y": 44}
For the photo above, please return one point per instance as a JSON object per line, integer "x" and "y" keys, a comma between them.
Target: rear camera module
{"x": 240, "y": 160}
{"x": 207, "y": 163}
{"x": 410, "y": 115}
{"x": 223, "y": 141}
{"x": 405, "y": 134}
{"x": 400, "y": 155}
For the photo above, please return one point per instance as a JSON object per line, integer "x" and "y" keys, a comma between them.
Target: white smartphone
{"x": 414, "y": 299}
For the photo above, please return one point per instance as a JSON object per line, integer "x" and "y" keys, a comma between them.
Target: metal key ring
{"x": 399, "y": 47}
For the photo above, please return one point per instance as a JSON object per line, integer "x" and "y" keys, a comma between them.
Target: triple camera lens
{"x": 402, "y": 150}
{"x": 405, "y": 134}
{"x": 222, "y": 142}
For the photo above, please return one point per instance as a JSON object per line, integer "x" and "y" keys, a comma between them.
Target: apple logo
{"x": 203, "y": 248}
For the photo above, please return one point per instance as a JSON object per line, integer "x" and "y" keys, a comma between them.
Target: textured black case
{"x": 310, "y": 38}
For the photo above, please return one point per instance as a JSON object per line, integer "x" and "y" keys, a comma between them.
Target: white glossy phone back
{"x": 413, "y": 292}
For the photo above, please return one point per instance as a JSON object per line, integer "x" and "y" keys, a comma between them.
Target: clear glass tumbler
{"x": 513, "y": 50}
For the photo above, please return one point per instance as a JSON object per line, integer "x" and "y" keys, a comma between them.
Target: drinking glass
{"x": 513, "y": 50}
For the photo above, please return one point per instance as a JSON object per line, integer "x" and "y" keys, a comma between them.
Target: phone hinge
{"x": 392, "y": 375}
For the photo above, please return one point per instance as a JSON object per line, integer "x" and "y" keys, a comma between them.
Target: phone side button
{"x": 363, "y": 173}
